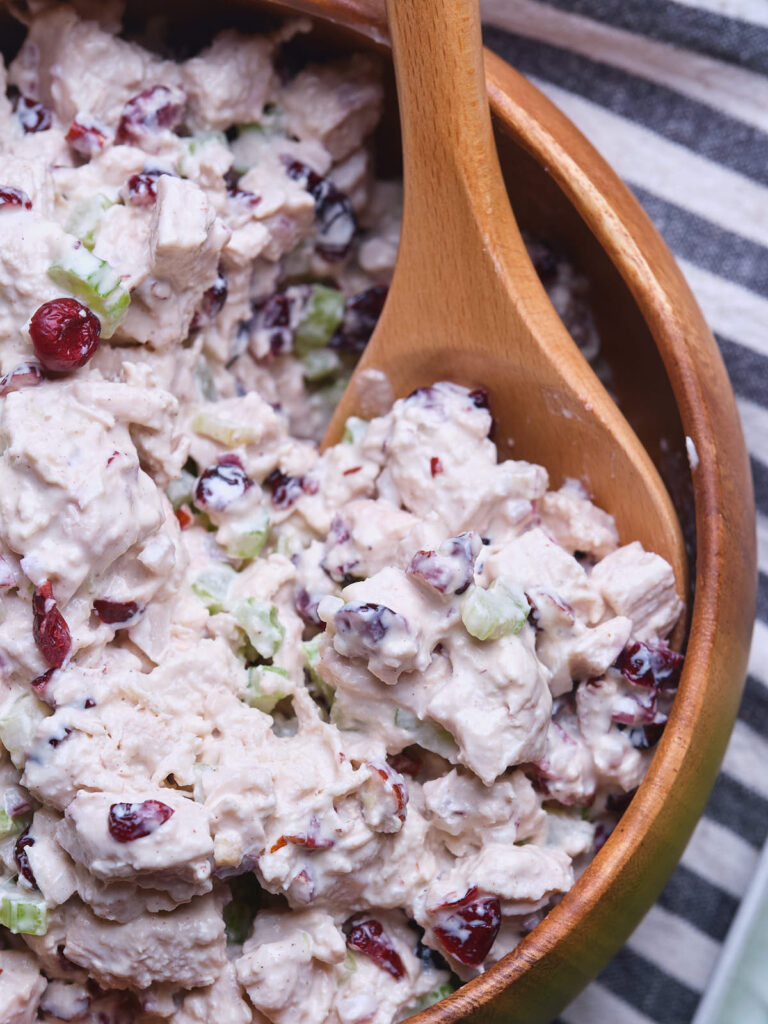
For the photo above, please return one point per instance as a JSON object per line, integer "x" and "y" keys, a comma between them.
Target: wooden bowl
{"x": 670, "y": 381}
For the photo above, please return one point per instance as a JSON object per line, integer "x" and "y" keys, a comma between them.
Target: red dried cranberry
{"x": 151, "y": 110}
{"x": 361, "y": 314}
{"x": 117, "y": 612}
{"x": 467, "y": 928}
{"x": 39, "y": 683}
{"x": 242, "y": 195}
{"x": 221, "y": 485}
{"x": 286, "y": 490}
{"x": 21, "y": 857}
{"x": 25, "y": 375}
{"x": 480, "y": 398}
{"x": 653, "y": 665}
{"x": 65, "y": 334}
{"x": 49, "y": 627}
{"x": 363, "y": 626}
{"x": 306, "y": 606}
{"x": 274, "y": 319}
{"x": 369, "y": 938}
{"x": 183, "y": 517}
{"x": 31, "y": 115}
{"x": 14, "y": 198}
{"x": 435, "y": 466}
{"x": 212, "y": 301}
{"x": 391, "y": 782}
{"x": 128, "y": 822}
{"x": 333, "y": 212}
{"x": 142, "y": 188}
{"x": 451, "y": 568}
{"x": 86, "y": 139}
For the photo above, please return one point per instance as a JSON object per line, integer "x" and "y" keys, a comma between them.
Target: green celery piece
{"x": 354, "y": 430}
{"x": 95, "y": 282}
{"x": 234, "y": 434}
{"x": 180, "y": 491}
{"x": 85, "y": 218}
{"x": 320, "y": 317}
{"x": 495, "y": 612}
{"x": 246, "y": 539}
{"x": 260, "y": 694}
{"x": 260, "y": 623}
{"x": 320, "y": 363}
{"x": 312, "y": 655}
{"x": 426, "y": 733}
{"x": 441, "y": 992}
{"x": 22, "y": 913}
{"x": 212, "y": 587}
{"x": 12, "y": 826}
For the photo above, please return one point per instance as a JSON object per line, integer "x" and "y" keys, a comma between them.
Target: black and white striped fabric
{"x": 675, "y": 96}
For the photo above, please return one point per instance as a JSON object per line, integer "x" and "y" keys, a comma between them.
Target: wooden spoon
{"x": 466, "y": 304}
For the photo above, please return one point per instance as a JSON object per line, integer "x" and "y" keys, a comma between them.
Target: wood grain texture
{"x": 466, "y": 304}
{"x": 569, "y": 193}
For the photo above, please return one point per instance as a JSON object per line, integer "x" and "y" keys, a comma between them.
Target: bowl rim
{"x": 576, "y": 939}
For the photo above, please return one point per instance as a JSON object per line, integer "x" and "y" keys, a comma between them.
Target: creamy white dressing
{"x": 274, "y": 723}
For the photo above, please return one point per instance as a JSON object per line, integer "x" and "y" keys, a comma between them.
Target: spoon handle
{"x": 454, "y": 188}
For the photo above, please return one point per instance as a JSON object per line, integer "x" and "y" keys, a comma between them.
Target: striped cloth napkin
{"x": 675, "y": 96}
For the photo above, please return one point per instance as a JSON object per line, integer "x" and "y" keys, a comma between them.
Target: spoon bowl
{"x": 466, "y": 304}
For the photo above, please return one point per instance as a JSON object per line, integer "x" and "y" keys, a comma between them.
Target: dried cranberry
{"x": 286, "y": 490}
{"x": 133, "y": 821}
{"x": 11, "y": 198}
{"x": 389, "y": 776}
{"x": 451, "y": 568}
{"x": 653, "y": 665}
{"x": 480, "y": 398}
{"x": 213, "y": 300}
{"x": 54, "y": 741}
{"x": 88, "y": 140}
{"x": 435, "y": 466}
{"x": 116, "y": 612}
{"x": 643, "y": 737}
{"x": 151, "y": 110}
{"x": 467, "y": 928}
{"x": 333, "y": 212}
{"x": 306, "y": 605}
{"x": 142, "y": 188}
{"x": 21, "y": 857}
{"x": 65, "y": 334}
{"x": 361, "y": 314}
{"x": 275, "y": 320}
{"x": 366, "y": 625}
{"x": 241, "y": 195}
{"x": 31, "y": 115}
{"x": 49, "y": 627}
{"x": 25, "y": 375}
{"x": 221, "y": 485}
{"x": 183, "y": 517}
{"x": 369, "y": 938}
{"x": 39, "y": 683}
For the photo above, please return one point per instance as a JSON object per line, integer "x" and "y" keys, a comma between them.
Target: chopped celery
{"x": 217, "y": 429}
{"x": 180, "y": 491}
{"x": 427, "y": 734}
{"x": 212, "y": 587}
{"x": 10, "y": 826}
{"x": 354, "y": 430}
{"x": 245, "y": 538}
{"x": 18, "y": 726}
{"x": 320, "y": 317}
{"x": 495, "y": 612}
{"x": 432, "y": 997}
{"x": 312, "y": 655}
{"x": 320, "y": 363}
{"x": 260, "y": 623}
{"x": 22, "y": 913}
{"x": 264, "y": 688}
{"x": 86, "y": 216}
{"x": 95, "y": 282}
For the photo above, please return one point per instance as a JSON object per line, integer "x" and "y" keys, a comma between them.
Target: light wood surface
{"x": 466, "y": 304}
{"x": 671, "y": 381}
